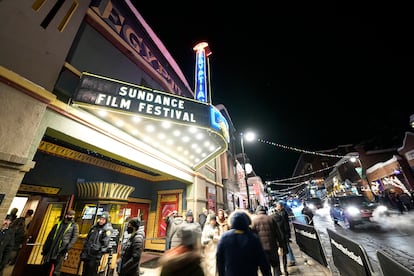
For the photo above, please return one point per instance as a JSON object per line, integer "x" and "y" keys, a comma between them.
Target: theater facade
{"x": 97, "y": 116}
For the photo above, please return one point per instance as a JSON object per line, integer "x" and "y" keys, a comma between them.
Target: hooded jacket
{"x": 175, "y": 226}
{"x": 239, "y": 251}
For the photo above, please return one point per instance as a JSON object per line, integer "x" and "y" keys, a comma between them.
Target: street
{"x": 393, "y": 234}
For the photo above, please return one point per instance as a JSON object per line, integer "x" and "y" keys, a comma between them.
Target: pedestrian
{"x": 185, "y": 258}
{"x": 307, "y": 213}
{"x": 239, "y": 251}
{"x": 131, "y": 250}
{"x": 168, "y": 222}
{"x": 209, "y": 241}
{"x": 176, "y": 223}
{"x": 222, "y": 220}
{"x": 270, "y": 236}
{"x": 190, "y": 221}
{"x": 20, "y": 233}
{"x": 28, "y": 218}
{"x": 283, "y": 221}
{"x": 96, "y": 245}
{"x": 6, "y": 243}
{"x": 59, "y": 241}
{"x": 202, "y": 217}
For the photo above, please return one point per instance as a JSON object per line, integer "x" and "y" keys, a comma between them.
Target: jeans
{"x": 290, "y": 256}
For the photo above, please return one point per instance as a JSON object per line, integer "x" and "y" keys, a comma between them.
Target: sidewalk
{"x": 305, "y": 265}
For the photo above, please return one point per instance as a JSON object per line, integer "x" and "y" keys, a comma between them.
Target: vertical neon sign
{"x": 201, "y": 72}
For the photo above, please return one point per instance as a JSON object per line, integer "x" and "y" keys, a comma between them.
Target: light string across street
{"x": 278, "y": 182}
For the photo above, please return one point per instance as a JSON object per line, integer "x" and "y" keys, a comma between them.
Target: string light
{"x": 299, "y": 150}
{"x": 303, "y": 151}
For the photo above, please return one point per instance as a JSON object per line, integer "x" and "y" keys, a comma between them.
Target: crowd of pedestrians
{"x": 239, "y": 243}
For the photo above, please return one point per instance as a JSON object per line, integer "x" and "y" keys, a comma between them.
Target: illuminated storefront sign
{"x": 130, "y": 98}
{"x": 188, "y": 130}
{"x": 201, "y": 72}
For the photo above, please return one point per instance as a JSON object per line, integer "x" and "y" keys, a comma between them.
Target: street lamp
{"x": 249, "y": 136}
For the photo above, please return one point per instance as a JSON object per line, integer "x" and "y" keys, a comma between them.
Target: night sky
{"x": 298, "y": 74}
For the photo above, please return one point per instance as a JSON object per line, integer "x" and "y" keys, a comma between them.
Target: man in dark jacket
{"x": 132, "y": 249}
{"x": 60, "y": 239}
{"x": 96, "y": 244}
{"x": 6, "y": 243}
{"x": 268, "y": 231}
{"x": 239, "y": 251}
{"x": 282, "y": 220}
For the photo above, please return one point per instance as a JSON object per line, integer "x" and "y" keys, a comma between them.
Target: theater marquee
{"x": 105, "y": 94}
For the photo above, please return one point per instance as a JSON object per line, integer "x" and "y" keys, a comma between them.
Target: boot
{"x": 276, "y": 271}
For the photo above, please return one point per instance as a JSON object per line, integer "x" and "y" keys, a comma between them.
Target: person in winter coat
{"x": 185, "y": 258}
{"x": 209, "y": 240}
{"x": 307, "y": 213}
{"x": 96, "y": 244}
{"x": 168, "y": 225}
{"x": 282, "y": 219}
{"x": 60, "y": 239}
{"x": 6, "y": 243}
{"x": 270, "y": 236}
{"x": 132, "y": 249}
{"x": 176, "y": 223}
{"x": 239, "y": 251}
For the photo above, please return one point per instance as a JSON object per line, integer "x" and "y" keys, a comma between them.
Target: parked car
{"x": 314, "y": 203}
{"x": 354, "y": 209}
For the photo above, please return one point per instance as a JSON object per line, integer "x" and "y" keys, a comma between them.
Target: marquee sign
{"x": 130, "y": 98}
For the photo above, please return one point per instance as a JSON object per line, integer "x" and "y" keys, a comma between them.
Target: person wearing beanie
{"x": 271, "y": 238}
{"x": 131, "y": 250}
{"x": 60, "y": 239}
{"x": 96, "y": 245}
{"x": 194, "y": 225}
{"x": 185, "y": 258}
{"x": 239, "y": 250}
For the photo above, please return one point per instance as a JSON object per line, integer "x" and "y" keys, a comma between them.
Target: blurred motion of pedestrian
{"x": 20, "y": 234}
{"x": 239, "y": 251}
{"x": 183, "y": 259}
{"x": 60, "y": 239}
{"x": 6, "y": 243}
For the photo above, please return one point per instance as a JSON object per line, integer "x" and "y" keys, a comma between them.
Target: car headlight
{"x": 353, "y": 211}
{"x": 381, "y": 209}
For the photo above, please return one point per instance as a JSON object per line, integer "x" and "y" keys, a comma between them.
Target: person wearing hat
{"x": 96, "y": 245}
{"x": 185, "y": 258}
{"x": 58, "y": 242}
{"x": 6, "y": 242}
{"x": 269, "y": 234}
{"x": 131, "y": 250}
{"x": 239, "y": 250}
{"x": 190, "y": 221}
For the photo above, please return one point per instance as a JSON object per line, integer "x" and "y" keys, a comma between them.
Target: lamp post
{"x": 249, "y": 137}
